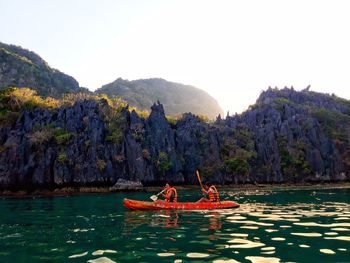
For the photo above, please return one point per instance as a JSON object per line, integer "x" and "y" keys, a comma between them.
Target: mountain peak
{"x": 177, "y": 98}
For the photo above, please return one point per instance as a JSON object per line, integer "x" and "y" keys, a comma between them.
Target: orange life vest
{"x": 171, "y": 195}
{"x": 213, "y": 194}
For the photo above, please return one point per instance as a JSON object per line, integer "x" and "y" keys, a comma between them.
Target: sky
{"x": 232, "y": 49}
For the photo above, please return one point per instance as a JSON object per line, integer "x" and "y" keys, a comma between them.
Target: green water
{"x": 288, "y": 225}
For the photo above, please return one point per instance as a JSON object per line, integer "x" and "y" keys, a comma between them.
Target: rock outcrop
{"x": 123, "y": 184}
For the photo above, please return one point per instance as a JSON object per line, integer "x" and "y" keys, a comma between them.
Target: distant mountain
{"x": 23, "y": 68}
{"x": 176, "y": 98}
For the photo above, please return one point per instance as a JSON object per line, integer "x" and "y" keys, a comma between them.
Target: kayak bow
{"x": 161, "y": 204}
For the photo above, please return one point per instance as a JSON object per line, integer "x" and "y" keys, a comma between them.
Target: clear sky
{"x": 231, "y": 49}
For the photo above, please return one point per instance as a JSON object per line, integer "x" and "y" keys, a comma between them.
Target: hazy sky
{"x": 231, "y": 49}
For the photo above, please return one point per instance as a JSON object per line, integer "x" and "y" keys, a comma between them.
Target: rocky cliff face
{"x": 300, "y": 136}
{"x": 287, "y": 136}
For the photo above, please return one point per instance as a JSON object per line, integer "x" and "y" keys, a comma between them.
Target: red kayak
{"x": 161, "y": 204}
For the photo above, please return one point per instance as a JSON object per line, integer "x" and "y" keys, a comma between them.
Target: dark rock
{"x": 123, "y": 184}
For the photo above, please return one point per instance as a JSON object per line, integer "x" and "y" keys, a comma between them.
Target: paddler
{"x": 170, "y": 193}
{"x": 212, "y": 192}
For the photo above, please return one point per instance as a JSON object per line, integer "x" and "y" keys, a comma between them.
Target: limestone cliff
{"x": 287, "y": 136}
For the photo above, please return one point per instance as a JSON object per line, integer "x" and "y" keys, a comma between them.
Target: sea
{"x": 290, "y": 225}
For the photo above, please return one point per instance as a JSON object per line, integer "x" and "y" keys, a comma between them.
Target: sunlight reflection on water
{"x": 251, "y": 217}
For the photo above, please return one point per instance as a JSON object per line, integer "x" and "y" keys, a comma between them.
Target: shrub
{"x": 14, "y": 99}
{"x": 70, "y": 99}
{"x": 141, "y": 113}
{"x": 62, "y": 157}
{"x": 172, "y": 120}
{"x": 163, "y": 163}
{"x": 236, "y": 165}
{"x": 334, "y": 123}
{"x": 100, "y": 164}
{"x": 237, "y": 150}
{"x": 203, "y": 118}
{"x": 115, "y": 121}
{"x": 28, "y": 98}
{"x": 62, "y": 136}
{"x": 116, "y": 136}
{"x": 293, "y": 158}
{"x": 41, "y": 136}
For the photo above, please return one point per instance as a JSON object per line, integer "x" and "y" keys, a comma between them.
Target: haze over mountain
{"x": 176, "y": 98}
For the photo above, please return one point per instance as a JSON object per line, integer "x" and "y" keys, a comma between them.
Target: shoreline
{"x": 246, "y": 188}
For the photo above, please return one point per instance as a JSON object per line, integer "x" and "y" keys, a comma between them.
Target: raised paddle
{"x": 200, "y": 182}
{"x": 199, "y": 179}
{"x": 155, "y": 197}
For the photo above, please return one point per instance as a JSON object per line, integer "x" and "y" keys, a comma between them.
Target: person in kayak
{"x": 212, "y": 192}
{"x": 170, "y": 193}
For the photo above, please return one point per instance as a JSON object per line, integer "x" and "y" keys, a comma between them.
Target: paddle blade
{"x": 154, "y": 198}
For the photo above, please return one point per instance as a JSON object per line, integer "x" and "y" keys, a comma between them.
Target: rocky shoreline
{"x": 242, "y": 189}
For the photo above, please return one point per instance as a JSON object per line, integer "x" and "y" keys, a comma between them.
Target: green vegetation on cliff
{"x": 237, "y": 150}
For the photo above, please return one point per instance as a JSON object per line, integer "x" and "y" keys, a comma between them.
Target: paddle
{"x": 155, "y": 197}
{"x": 199, "y": 179}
